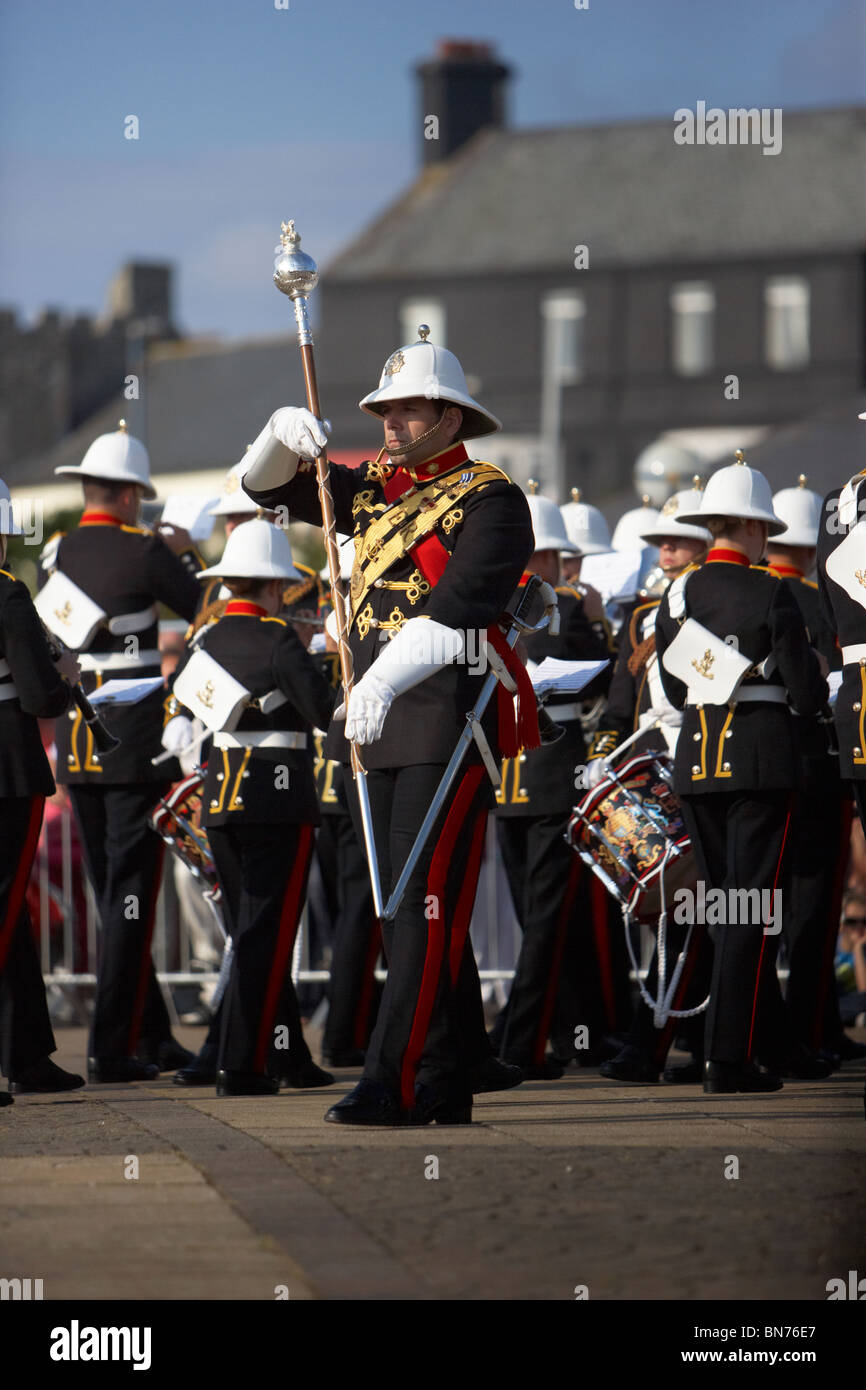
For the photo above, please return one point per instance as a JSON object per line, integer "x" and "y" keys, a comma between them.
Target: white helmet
{"x": 422, "y": 369}
{"x": 346, "y": 548}
{"x": 628, "y": 532}
{"x": 256, "y": 550}
{"x": 115, "y": 458}
{"x": 8, "y": 524}
{"x": 234, "y": 501}
{"x": 800, "y": 509}
{"x": 548, "y": 526}
{"x": 739, "y": 492}
{"x": 661, "y": 467}
{"x": 669, "y": 523}
{"x": 585, "y": 526}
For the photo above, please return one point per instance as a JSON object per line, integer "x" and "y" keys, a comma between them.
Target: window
{"x": 564, "y": 315}
{"x": 693, "y": 306}
{"x": 417, "y": 311}
{"x": 786, "y": 322}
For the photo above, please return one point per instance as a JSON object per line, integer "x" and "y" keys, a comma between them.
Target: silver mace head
{"x": 295, "y": 273}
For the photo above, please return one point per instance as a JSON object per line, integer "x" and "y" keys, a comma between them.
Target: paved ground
{"x": 577, "y": 1182}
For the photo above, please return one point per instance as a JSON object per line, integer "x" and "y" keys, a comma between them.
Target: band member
{"x": 440, "y": 544}
{"x": 637, "y": 701}
{"x": 32, "y": 687}
{"x": 820, "y": 830}
{"x": 106, "y": 579}
{"x": 733, "y": 651}
{"x": 588, "y": 532}
{"x": 260, "y": 803}
{"x": 557, "y": 983}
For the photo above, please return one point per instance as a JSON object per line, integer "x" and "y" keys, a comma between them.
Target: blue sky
{"x": 249, "y": 114}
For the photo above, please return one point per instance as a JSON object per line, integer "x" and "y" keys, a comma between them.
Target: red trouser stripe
{"x": 466, "y": 901}
{"x": 144, "y": 966}
{"x": 764, "y": 941}
{"x": 565, "y": 909}
{"x": 22, "y": 874}
{"x": 436, "y": 881}
{"x": 833, "y": 913}
{"x": 290, "y": 915}
{"x": 361, "y": 1032}
{"x": 599, "y": 907}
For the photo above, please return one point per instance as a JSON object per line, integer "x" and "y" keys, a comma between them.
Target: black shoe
{"x": 202, "y": 1070}
{"x": 685, "y": 1073}
{"x": 306, "y": 1077}
{"x": 493, "y": 1075}
{"x": 345, "y": 1057}
{"x": 848, "y": 1050}
{"x": 548, "y": 1070}
{"x": 6, "y": 1099}
{"x": 442, "y": 1105}
{"x": 724, "y": 1078}
{"x": 632, "y": 1064}
{"x": 245, "y": 1083}
{"x": 369, "y": 1104}
{"x": 803, "y": 1065}
{"x": 167, "y": 1055}
{"x": 114, "y": 1069}
{"x": 44, "y": 1077}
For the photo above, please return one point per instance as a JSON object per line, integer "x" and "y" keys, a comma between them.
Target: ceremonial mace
{"x": 296, "y": 274}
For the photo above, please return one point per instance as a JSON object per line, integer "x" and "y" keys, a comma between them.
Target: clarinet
{"x": 103, "y": 740}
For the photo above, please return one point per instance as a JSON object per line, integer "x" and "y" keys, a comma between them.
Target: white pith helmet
{"x": 115, "y": 458}
{"x": 422, "y": 369}
{"x": 585, "y": 526}
{"x": 256, "y": 550}
{"x": 628, "y": 532}
{"x": 800, "y": 509}
{"x": 669, "y": 523}
{"x": 739, "y": 492}
{"x": 548, "y": 527}
{"x": 8, "y": 524}
{"x": 234, "y": 501}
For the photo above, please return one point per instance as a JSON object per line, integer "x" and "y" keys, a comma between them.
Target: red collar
{"x": 407, "y": 477}
{"x": 784, "y": 571}
{"x": 90, "y": 518}
{"x": 244, "y": 608}
{"x": 721, "y": 554}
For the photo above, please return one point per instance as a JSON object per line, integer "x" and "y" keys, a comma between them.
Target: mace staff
{"x": 296, "y": 274}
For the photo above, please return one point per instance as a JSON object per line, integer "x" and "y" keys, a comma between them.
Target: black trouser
{"x": 738, "y": 839}
{"x": 262, "y": 871}
{"x": 692, "y": 989}
{"x": 25, "y": 1028}
{"x": 123, "y": 857}
{"x": 430, "y": 1025}
{"x": 568, "y": 971}
{"x": 353, "y": 992}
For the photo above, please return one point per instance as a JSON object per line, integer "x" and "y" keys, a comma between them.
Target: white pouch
{"x": 847, "y": 564}
{"x": 210, "y": 693}
{"x": 710, "y": 668}
{"x": 68, "y": 612}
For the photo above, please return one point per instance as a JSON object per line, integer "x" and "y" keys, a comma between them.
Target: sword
{"x": 296, "y": 274}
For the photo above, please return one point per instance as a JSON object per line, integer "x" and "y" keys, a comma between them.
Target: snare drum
{"x": 629, "y": 828}
{"x": 177, "y": 819}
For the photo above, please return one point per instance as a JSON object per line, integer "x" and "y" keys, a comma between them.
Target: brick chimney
{"x": 461, "y": 90}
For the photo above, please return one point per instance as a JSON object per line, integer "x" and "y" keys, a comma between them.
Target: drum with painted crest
{"x": 177, "y": 819}
{"x": 629, "y": 830}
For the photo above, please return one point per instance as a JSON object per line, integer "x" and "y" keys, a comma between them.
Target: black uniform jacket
{"x": 816, "y": 750}
{"x": 125, "y": 569}
{"x": 747, "y": 746}
{"x": 254, "y": 785}
{"x": 629, "y": 696}
{"x": 847, "y": 619}
{"x": 541, "y": 781}
{"x": 42, "y": 693}
{"x": 328, "y": 773}
{"x": 483, "y": 541}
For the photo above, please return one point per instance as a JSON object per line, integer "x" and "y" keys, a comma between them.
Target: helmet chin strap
{"x": 402, "y": 449}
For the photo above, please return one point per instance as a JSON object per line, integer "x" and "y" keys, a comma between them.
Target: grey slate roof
{"x": 521, "y": 200}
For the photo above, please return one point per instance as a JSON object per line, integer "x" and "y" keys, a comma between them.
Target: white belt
{"x": 8, "y": 692}
{"x": 279, "y": 738}
{"x": 856, "y": 653}
{"x": 116, "y": 661}
{"x": 133, "y": 622}
{"x": 572, "y": 711}
{"x": 768, "y": 694}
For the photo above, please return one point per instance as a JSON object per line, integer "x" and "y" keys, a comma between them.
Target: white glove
{"x": 177, "y": 733}
{"x": 665, "y": 714}
{"x": 596, "y": 771}
{"x": 420, "y": 648}
{"x": 300, "y": 431}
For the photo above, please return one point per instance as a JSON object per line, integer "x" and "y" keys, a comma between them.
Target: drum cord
{"x": 661, "y": 1007}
